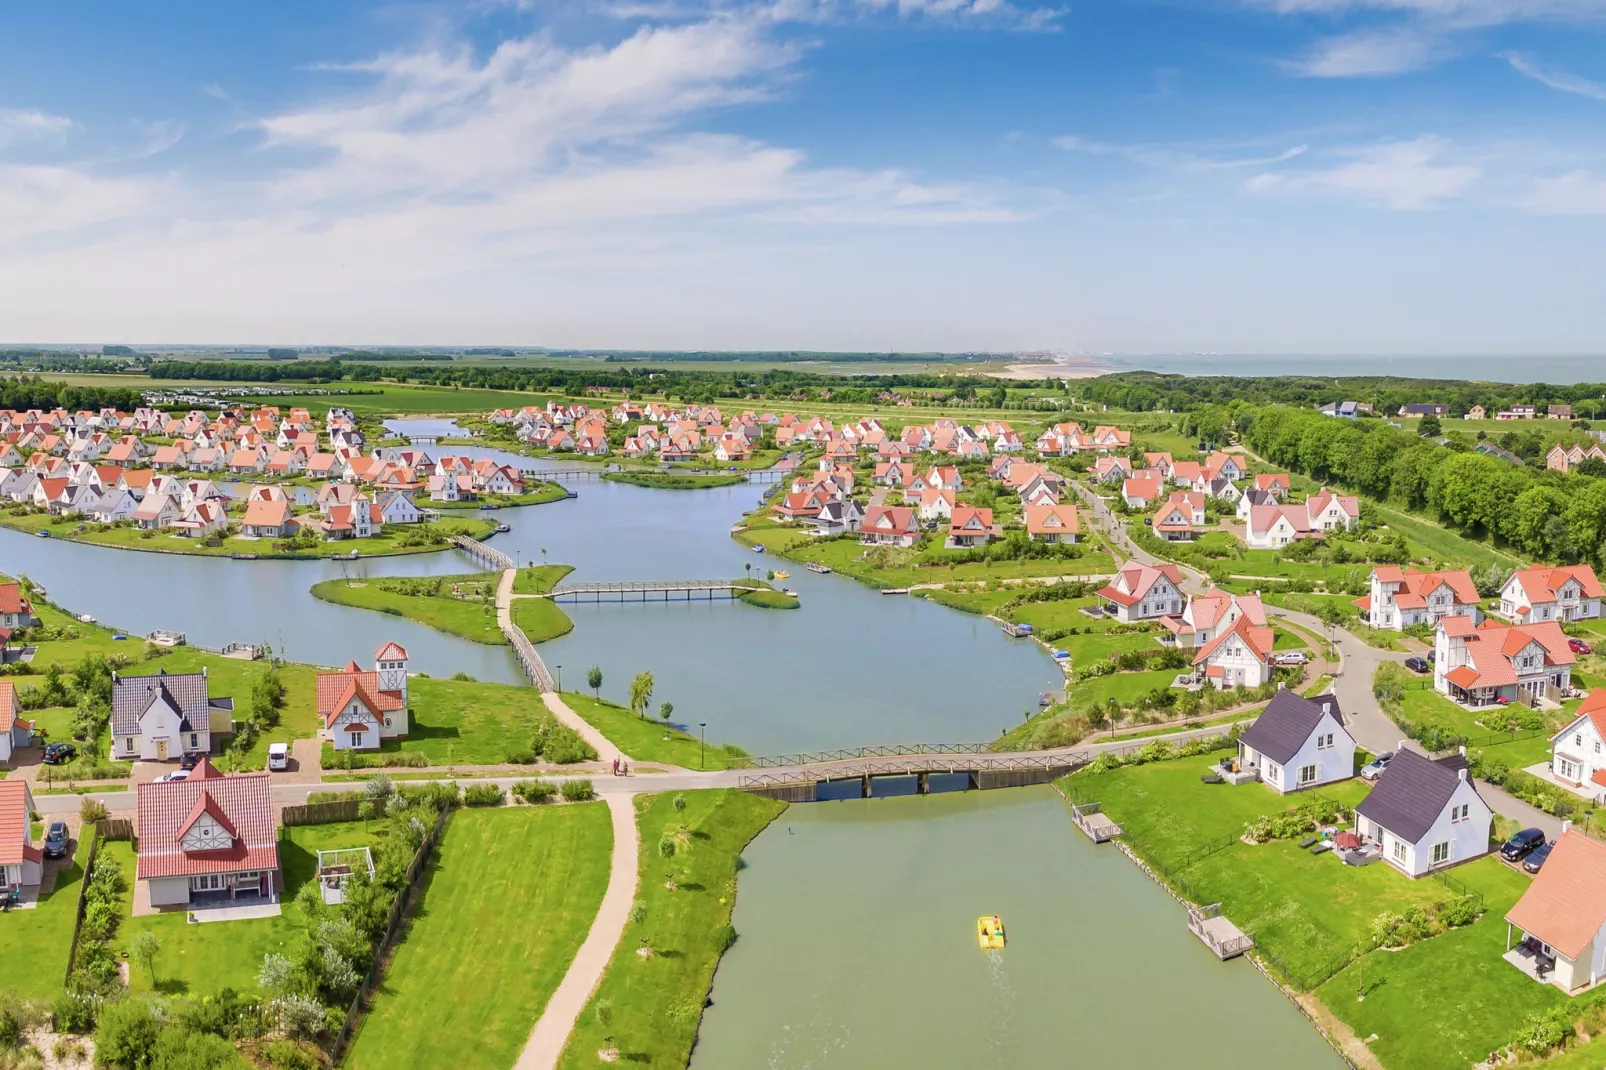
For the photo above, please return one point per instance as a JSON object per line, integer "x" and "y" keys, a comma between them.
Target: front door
{"x": 161, "y": 750}
{"x": 262, "y": 884}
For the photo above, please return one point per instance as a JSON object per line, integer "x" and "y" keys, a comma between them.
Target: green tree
{"x": 1428, "y": 426}
{"x": 144, "y": 949}
{"x": 594, "y": 680}
{"x": 125, "y": 1034}
{"x": 641, "y": 693}
{"x": 666, "y": 710}
{"x": 1591, "y": 466}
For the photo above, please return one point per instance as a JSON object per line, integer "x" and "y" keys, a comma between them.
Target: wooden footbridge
{"x": 491, "y": 559}
{"x": 882, "y": 772}
{"x": 650, "y": 591}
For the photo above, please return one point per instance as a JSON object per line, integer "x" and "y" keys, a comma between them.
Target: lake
{"x": 857, "y": 948}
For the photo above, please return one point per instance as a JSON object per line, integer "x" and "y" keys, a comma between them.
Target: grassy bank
{"x": 539, "y": 579}
{"x": 647, "y": 739}
{"x": 38, "y": 940}
{"x": 675, "y": 480}
{"x": 466, "y": 722}
{"x": 464, "y": 606}
{"x": 506, "y": 904}
{"x": 657, "y": 1001}
{"x": 541, "y": 619}
{"x": 545, "y": 492}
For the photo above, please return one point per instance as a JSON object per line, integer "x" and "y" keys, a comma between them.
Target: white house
{"x": 1207, "y": 613}
{"x": 1327, "y": 511}
{"x": 1562, "y": 914}
{"x": 1543, "y": 592}
{"x": 398, "y": 508}
{"x": 158, "y": 717}
{"x": 21, "y": 861}
{"x": 1143, "y": 592}
{"x": 1239, "y": 656}
{"x": 359, "y": 709}
{"x": 1298, "y": 743}
{"x": 1578, "y": 751}
{"x": 14, "y": 731}
{"x": 1480, "y": 666}
{"x": 1399, "y": 599}
{"x": 1425, "y": 814}
{"x": 1271, "y": 527}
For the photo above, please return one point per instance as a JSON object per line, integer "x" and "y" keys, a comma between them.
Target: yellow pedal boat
{"x": 990, "y": 932}
{"x": 783, "y": 575}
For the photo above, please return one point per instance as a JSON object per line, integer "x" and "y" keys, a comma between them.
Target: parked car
{"x": 1291, "y": 657}
{"x": 1416, "y": 664}
{"x": 278, "y": 757}
{"x": 60, "y": 753}
{"x": 177, "y": 774}
{"x": 1578, "y": 646}
{"x": 56, "y": 840}
{"x": 1522, "y": 845}
{"x": 1374, "y": 768}
{"x": 1536, "y": 858}
{"x": 190, "y": 760}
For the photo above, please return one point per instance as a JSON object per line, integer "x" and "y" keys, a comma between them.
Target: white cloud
{"x": 1575, "y": 193}
{"x": 1402, "y": 175}
{"x": 1181, "y": 156}
{"x": 1370, "y": 53}
{"x": 21, "y": 127}
{"x": 1555, "y": 79}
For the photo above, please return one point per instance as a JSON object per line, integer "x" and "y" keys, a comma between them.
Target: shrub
{"x": 1542, "y": 1032}
{"x": 73, "y": 1013}
{"x": 724, "y": 937}
{"x": 126, "y": 1034}
{"x": 535, "y": 791}
{"x": 1459, "y": 912}
{"x": 578, "y": 790}
{"x": 92, "y": 811}
{"x": 483, "y": 795}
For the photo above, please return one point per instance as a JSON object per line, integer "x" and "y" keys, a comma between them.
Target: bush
{"x": 72, "y": 1013}
{"x": 535, "y": 791}
{"x": 483, "y": 795}
{"x": 1543, "y": 1032}
{"x": 578, "y": 790}
{"x": 1459, "y": 912}
{"x": 126, "y": 1034}
{"x": 724, "y": 937}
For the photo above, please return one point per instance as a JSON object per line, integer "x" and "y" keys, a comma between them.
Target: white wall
{"x": 169, "y": 891}
{"x": 1467, "y": 839}
{"x": 1332, "y": 764}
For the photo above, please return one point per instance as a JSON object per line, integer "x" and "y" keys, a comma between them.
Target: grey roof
{"x": 1287, "y": 723}
{"x": 133, "y": 695}
{"x": 1412, "y": 793}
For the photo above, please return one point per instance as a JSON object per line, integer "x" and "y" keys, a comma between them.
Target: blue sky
{"x": 1258, "y": 176}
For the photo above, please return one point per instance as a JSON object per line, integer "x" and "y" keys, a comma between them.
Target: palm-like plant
{"x": 641, "y": 693}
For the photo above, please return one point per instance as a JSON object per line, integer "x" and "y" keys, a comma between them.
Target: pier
{"x": 1218, "y": 934}
{"x": 1091, "y": 819}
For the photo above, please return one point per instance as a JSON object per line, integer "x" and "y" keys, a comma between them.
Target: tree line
{"x": 31, "y": 392}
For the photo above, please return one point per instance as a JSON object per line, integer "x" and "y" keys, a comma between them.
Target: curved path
{"x": 558, "y": 1018}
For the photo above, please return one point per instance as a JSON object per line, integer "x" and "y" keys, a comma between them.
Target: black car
{"x": 56, "y": 840}
{"x": 60, "y": 753}
{"x": 1522, "y": 845}
{"x": 1536, "y": 857}
{"x": 1416, "y": 664}
{"x": 190, "y": 760}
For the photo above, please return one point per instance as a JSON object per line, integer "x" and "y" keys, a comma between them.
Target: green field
{"x": 466, "y": 722}
{"x": 648, "y": 739}
{"x": 460, "y": 605}
{"x": 38, "y": 940}
{"x": 1446, "y": 548}
{"x": 506, "y": 904}
{"x": 539, "y": 579}
{"x": 657, "y": 1001}
{"x": 676, "y": 480}
{"x": 541, "y": 619}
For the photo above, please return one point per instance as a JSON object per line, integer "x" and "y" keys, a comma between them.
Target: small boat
{"x": 894, "y": 590}
{"x": 504, "y": 528}
{"x": 758, "y": 548}
{"x": 571, "y": 494}
{"x": 1061, "y": 655}
{"x": 85, "y": 618}
{"x": 990, "y": 933}
{"x": 783, "y": 575}
{"x": 42, "y": 533}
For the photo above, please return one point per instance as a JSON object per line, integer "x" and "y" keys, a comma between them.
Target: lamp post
{"x": 560, "y": 677}
{"x": 702, "y": 745}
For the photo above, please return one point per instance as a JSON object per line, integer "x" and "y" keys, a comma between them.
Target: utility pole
{"x": 702, "y": 746}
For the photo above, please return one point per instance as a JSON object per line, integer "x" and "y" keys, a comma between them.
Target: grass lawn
{"x": 506, "y": 904}
{"x": 36, "y": 941}
{"x": 644, "y": 738}
{"x": 544, "y": 492}
{"x": 539, "y": 579}
{"x": 1128, "y": 687}
{"x": 541, "y": 619}
{"x": 459, "y": 605}
{"x": 908, "y": 567}
{"x": 675, "y": 480}
{"x": 468, "y": 722}
{"x": 979, "y": 602}
{"x": 658, "y": 1001}
{"x": 200, "y": 959}
{"x": 1445, "y": 547}
{"x": 1446, "y": 1002}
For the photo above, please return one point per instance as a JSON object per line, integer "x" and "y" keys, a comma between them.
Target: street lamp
{"x": 560, "y": 677}
{"x": 702, "y": 746}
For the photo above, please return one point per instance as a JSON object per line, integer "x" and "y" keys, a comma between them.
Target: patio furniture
{"x": 1347, "y": 840}
{"x": 1212, "y": 778}
{"x": 1325, "y": 845}
{"x": 1307, "y": 841}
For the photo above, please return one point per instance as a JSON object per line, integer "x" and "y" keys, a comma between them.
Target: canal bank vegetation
{"x": 464, "y": 606}
{"x": 509, "y": 898}
{"x": 658, "y": 979}
{"x": 649, "y": 739}
{"x": 764, "y": 595}
{"x": 541, "y": 619}
{"x": 544, "y": 493}
{"x": 675, "y": 480}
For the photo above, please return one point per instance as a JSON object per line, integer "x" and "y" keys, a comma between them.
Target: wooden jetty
{"x": 166, "y": 638}
{"x": 1091, "y": 819}
{"x": 815, "y": 566}
{"x": 1218, "y": 934}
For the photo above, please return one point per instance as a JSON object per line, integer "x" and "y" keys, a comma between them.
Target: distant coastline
{"x": 1560, "y": 370}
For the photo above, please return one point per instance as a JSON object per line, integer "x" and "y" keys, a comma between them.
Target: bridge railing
{"x": 914, "y": 763}
{"x": 480, "y": 552}
{"x": 769, "y": 761}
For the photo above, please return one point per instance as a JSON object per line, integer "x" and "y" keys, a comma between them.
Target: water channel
{"x": 850, "y": 667}
{"x": 858, "y": 949}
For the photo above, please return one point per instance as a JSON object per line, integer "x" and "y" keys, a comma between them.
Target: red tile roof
{"x": 166, "y": 809}
{"x": 337, "y": 689}
{"x": 391, "y": 652}
{"x": 1565, "y": 906}
{"x": 13, "y": 820}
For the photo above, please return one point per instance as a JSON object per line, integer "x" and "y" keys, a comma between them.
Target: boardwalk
{"x": 649, "y": 591}
{"x": 491, "y": 559}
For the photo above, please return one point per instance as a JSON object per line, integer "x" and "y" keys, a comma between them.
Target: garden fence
{"x": 393, "y": 927}
{"x": 322, "y": 813}
{"x": 95, "y": 836}
{"x": 1305, "y": 980}
{"x": 1460, "y": 887}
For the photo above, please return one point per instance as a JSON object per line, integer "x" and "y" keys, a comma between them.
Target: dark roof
{"x": 1412, "y": 793}
{"x": 1287, "y": 723}
{"x": 133, "y": 695}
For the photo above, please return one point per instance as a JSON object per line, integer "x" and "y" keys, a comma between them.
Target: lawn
{"x": 41, "y": 937}
{"x": 541, "y": 619}
{"x": 539, "y": 579}
{"x": 457, "y": 605}
{"x": 658, "y": 1001}
{"x": 676, "y": 480}
{"x": 1127, "y": 687}
{"x": 894, "y": 567}
{"x": 1446, "y": 547}
{"x": 647, "y": 739}
{"x": 467, "y": 722}
{"x": 1447, "y": 1002}
{"x": 200, "y": 959}
{"x": 546, "y": 492}
{"x": 508, "y": 900}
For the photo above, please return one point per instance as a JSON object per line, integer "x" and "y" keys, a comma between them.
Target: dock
{"x": 815, "y": 566}
{"x": 651, "y": 591}
{"x": 1091, "y": 819}
{"x": 1016, "y": 631}
{"x": 166, "y": 638}
{"x": 1218, "y": 934}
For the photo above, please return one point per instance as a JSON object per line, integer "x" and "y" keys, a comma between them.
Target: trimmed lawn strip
{"x": 644, "y": 738}
{"x": 467, "y": 722}
{"x": 507, "y": 902}
{"x": 471, "y": 618}
{"x": 37, "y": 941}
{"x": 541, "y": 619}
{"x": 1127, "y": 687}
{"x": 658, "y": 1001}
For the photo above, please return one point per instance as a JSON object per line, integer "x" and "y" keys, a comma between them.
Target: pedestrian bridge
{"x": 650, "y": 591}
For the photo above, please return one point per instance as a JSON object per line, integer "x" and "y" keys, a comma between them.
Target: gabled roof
{"x": 1132, "y": 583}
{"x": 169, "y": 807}
{"x": 1412, "y": 792}
{"x": 1540, "y": 583}
{"x": 391, "y": 651}
{"x": 133, "y": 695}
{"x": 1258, "y": 639}
{"x": 14, "y": 833}
{"x": 1565, "y": 905}
{"x": 1287, "y": 724}
{"x": 337, "y": 689}
{"x": 205, "y": 804}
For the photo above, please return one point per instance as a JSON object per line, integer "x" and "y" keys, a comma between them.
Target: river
{"x": 851, "y": 667}
{"x": 858, "y": 949}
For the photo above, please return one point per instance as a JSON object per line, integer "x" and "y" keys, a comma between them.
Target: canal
{"x": 857, "y": 948}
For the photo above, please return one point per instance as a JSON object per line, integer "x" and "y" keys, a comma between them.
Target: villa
{"x": 969, "y": 527}
{"x": 1477, "y": 666}
{"x": 208, "y": 839}
{"x": 1052, "y": 523}
{"x": 360, "y": 709}
{"x": 1239, "y": 656}
{"x": 14, "y": 731}
{"x": 1143, "y": 592}
{"x": 1578, "y": 751}
{"x": 1400, "y": 599}
{"x": 21, "y": 861}
{"x": 155, "y": 718}
{"x": 1206, "y": 613}
{"x": 1298, "y": 743}
{"x": 1425, "y": 814}
{"x": 1545, "y": 592}
{"x": 889, "y": 525}
{"x": 1562, "y": 916}
{"x": 15, "y": 610}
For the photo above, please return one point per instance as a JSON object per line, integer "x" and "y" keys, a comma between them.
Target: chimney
{"x": 1565, "y": 825}
{"x": 1463, "y": 750}
{"x": 1461, "y": 773}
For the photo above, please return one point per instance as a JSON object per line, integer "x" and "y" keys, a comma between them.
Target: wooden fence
{"x": 393, "y": 927}
{"x": 116, "y": 828}
{"x": 321, "y": 813}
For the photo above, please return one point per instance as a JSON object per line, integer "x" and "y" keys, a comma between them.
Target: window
{"x": 195, "y": 741}
{"x": 1307, "y": 774}
{"x": 1565, "y": 768}
{"x": 1459, "y": 813}
{"x": 1441, "y": 853}
{"x": 1578, "y": 740}
{"x": 1399, "y": 852}
{"x": 1324, "y": 742}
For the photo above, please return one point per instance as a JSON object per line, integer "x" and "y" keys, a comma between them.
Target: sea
{"x": 1516, "y": 368}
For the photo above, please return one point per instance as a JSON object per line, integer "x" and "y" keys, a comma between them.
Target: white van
{"x": 278, "y": 756}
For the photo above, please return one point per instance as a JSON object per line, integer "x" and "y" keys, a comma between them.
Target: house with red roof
{"x": 1239, "y": 656}
{"x": 1142, "y": 592}
{"x": 360, "y": 708}
{"x": 969, "y": 527}
{"x": 1481, "y": 665}
{"x": 1052, "y": 523}
{"x": 1273, "y": 483}
{"x": 22, "y": 862}
{"x": 1332, "y": 512}
{"x": 1141, "y": 491}
{"x": 14, "y": 731}
{"x": 1578, "y": 751}
{"x": 1207, "y": 614}
{"x": 1547, "y": 592}
{"x": 267, "y": 520}
{"x": 1181, "y": 518}
{"x": 209, "y": 839}
{"x": 889, "y": 525}
{"x": 1402, "y": 598}
{"x": 15, "y": 610}
{"x": 1271, "y": 527}
{"x": 1562, "y": 917}
{"x": 1112, "y": 469}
